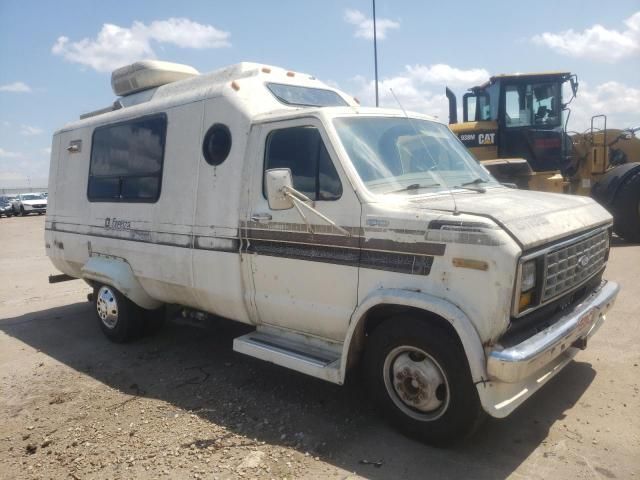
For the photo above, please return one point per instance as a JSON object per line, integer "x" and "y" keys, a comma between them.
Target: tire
{"x": 626, "y": 209}
{"x": 22, "y": 212}
{"x": 120, "y": 319}
{"x": 419, "y": 377}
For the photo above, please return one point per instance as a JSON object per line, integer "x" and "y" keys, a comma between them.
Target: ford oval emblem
{"x": 583, "y": 261}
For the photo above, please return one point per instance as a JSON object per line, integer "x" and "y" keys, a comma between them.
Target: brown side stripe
{"x": 377, "y": 260}
{"x": 322, "y": 239}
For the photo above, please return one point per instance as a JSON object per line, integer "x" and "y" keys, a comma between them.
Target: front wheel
{"x": 419, "y": 377}
{"x": 22, "y": 212}
{"x": 120, "y": 319}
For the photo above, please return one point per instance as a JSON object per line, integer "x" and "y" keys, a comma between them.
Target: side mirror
{"x": 277, "y": 181}
{"x": 574, "y": 85}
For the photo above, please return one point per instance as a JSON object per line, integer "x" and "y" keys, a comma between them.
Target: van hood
{"x": 532, "y": 218}
{"x": 41, "y": 201}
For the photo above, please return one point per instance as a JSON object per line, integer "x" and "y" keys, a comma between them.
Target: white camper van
{"x": 347, "y": 236}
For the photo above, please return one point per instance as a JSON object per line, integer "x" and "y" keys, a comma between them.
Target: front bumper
{"x": 516, "y": 363}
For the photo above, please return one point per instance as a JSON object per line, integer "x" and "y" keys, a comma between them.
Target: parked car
{"x": 26, "y": 203}
{"x": 345, "y": 235}
{"x": 6, "y": 207}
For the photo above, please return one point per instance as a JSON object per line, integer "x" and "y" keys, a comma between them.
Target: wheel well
{"x": 377, "y": 315}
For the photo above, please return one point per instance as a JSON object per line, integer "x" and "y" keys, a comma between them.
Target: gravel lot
{"x": 182, "y": 404}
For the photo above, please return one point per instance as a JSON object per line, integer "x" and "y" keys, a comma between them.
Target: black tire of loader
{"x": 626, "y": 209}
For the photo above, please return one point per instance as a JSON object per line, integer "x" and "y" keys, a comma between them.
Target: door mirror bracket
{"x": 282, "y": 196}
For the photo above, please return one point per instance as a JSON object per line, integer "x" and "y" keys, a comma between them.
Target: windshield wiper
{"x": 475, "y": 181}
{"x": 414, "y": 186}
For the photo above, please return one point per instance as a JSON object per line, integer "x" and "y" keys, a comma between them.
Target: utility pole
{"x": 375, "y": 49}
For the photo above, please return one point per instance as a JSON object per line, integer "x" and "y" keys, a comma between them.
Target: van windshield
{"x": 394, "y": 154}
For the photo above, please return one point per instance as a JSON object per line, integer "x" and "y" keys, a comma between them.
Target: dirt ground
{"x": 182, "y": 404}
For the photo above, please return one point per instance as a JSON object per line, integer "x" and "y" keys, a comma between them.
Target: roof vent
{"x": 148, "y": 74}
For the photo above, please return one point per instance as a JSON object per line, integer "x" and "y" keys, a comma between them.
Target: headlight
{"x": 527, "y": 293}
{"x": 528, "y": 276}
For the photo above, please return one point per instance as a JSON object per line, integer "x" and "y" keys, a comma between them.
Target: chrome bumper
{"x": 518, "y": 362}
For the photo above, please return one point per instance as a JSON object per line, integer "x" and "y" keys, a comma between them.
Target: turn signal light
{"x": 526, "y": 299}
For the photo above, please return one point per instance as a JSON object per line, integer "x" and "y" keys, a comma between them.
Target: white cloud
{"x": 364, "y": 25}
{"x": 620, "y": 102}
{"x": 28, "y": 130}
{"x": 6, "y": 154}
{"x": 187, "y": 34}
{"x": 116, "y": 46}
{"x": 596, "y": 42}
{"x": 45, "y": 151}
{"x": 419, "y": 88}
{"x": 447, "y": 75}
{"x": 15, "y": 87}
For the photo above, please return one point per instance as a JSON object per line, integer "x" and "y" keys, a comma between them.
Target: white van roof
{"x": 156, "y": 85}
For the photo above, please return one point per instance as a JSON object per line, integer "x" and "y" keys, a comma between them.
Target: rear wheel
{"x": 120, "y": 319}
{"x": 419, "y": 377}
{"x": 626, "y": 209}
{"x": 22, "y": 212}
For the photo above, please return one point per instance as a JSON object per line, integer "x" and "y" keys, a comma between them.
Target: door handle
{"x": 261, "y": 217}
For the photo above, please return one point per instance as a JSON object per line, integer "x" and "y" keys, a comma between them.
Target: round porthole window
{"x": 217, "y": 144}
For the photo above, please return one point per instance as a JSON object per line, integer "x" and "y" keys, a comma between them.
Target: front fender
{"x": 118, "y": 274}
{"x": 457, "y": 318}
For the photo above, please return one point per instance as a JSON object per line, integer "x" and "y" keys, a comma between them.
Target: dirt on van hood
{"x": 533, "y": 218}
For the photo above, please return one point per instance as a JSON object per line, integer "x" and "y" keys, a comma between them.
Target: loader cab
{"x": 517, "y": 116}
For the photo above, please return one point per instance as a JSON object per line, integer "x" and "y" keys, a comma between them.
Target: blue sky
{"x": 56, "y": 57}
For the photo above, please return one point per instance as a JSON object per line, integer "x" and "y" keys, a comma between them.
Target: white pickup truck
{"x": 348, "y": 236}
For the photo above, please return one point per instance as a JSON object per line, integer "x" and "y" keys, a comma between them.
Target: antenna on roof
{"x": 375, "y": 49}
{"x": 424, "y": 145}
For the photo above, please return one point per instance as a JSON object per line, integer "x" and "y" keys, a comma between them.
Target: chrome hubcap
{"x": 416, "y": 383}
{"x": 107, "y": 307}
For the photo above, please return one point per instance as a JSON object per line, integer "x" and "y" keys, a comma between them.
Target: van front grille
{"x": 573, "y": 264}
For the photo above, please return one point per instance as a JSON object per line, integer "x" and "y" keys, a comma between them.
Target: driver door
{"x": 303, "y": 280}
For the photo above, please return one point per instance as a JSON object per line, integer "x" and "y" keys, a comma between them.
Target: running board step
{"x": 287, "y": 352}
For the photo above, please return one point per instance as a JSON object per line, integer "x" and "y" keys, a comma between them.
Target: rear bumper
{"x": 519, "y": 362}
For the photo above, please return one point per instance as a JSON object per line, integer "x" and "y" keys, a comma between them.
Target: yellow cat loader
{"x": 514, "y": 125}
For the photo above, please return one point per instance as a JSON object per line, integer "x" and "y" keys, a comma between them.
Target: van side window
{"x": 302, "y": 150}
{"x": 126, "y": 160}
{"x": 217, "y": 144}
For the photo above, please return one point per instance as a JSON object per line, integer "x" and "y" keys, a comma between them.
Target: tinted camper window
{"x": 126, "y": 160}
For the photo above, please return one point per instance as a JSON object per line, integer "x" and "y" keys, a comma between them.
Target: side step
{"x": 292, "y": 351}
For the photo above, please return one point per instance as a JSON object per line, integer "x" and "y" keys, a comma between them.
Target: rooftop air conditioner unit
{"x": 148, "y": 74}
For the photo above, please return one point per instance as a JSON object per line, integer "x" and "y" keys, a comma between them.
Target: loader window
{"x": 126, "y": 161}
{"x": 546, "y": 102}
{"x": 533, "y": 104}
{"x": 517, "y": 106}
{"x": 476, "y": 107}
{"x": 302, "y": 150}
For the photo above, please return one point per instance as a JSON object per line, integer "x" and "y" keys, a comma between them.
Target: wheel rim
{"x": 107, "y": 307}
{"x": 416, "y": 383}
